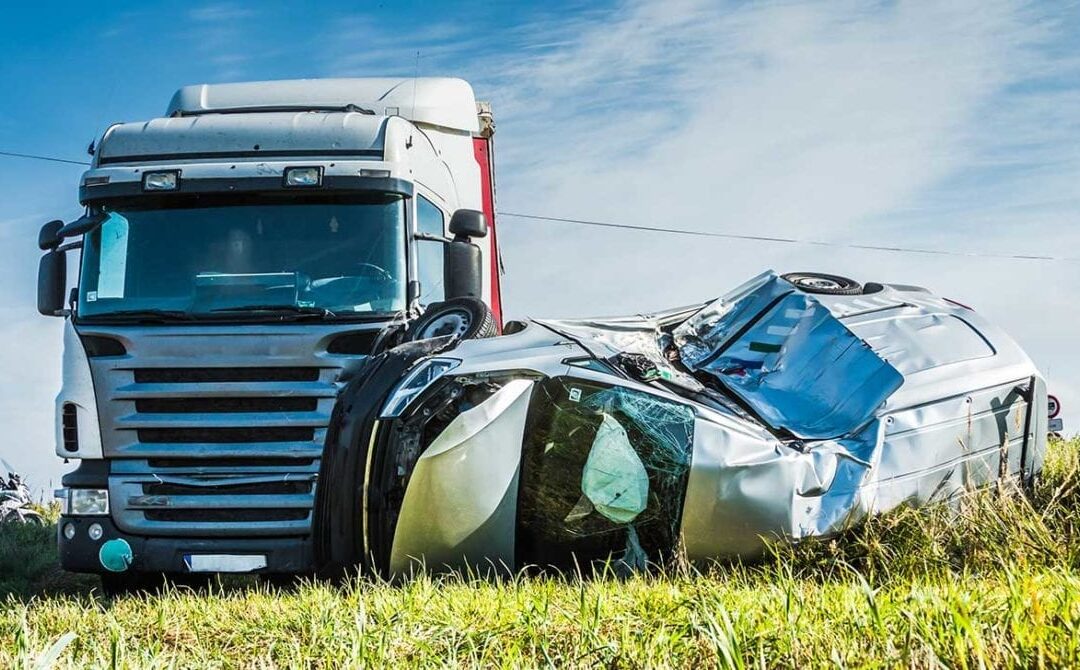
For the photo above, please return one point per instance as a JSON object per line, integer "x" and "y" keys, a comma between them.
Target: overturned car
{"x": 791, "y": 407}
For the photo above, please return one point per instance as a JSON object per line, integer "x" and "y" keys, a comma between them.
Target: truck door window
{"x": 429, "y": 255}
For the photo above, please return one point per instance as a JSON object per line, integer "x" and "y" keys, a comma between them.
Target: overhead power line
{"x": 42, "y": 158}
{"x": 790, "y": 240}
{"x": 702, "y": 233}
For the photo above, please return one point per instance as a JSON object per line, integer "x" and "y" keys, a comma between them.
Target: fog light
{"x": 86, "y": 502}
{"x": 303, "y": 176}
{"x": 161, "y": 181}
{"x": 95, "y": 531}
{"x": 69, "y": 530}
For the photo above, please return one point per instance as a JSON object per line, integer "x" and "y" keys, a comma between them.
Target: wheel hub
{"x": 451, "y": 323}
{"x": 820, "y": 283}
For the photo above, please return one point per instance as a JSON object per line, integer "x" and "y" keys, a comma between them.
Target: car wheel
{"x": 464, "y": 318}
{"x": 824, "y": 284}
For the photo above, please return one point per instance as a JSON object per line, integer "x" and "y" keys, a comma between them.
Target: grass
{"x": 995, "y": 583}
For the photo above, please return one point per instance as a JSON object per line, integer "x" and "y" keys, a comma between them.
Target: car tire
{"x": 823, "y": 284}
{"x": 342, "y": 496}
{"x": 464, "y": 318}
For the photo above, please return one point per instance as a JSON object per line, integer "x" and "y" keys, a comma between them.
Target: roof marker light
{"x": 377, "y": 174}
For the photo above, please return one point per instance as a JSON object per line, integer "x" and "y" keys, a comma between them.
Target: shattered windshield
{"x": 784, "y": 354}
{"x": 247, "y": 255}
{"x": 603, "y": 475}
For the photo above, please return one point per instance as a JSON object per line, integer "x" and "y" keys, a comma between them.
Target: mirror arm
{"x": 78, "y": 244}
{"x": 428, "y": 237}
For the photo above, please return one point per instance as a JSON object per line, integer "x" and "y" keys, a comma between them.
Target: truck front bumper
{"x": 173, "y": 555}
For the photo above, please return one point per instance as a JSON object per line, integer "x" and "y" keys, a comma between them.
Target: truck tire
{"x": 466, "y": 318}
{"x": 823, "y": 284}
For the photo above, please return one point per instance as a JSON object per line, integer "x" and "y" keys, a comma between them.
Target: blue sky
{"x": 951, "y": 125}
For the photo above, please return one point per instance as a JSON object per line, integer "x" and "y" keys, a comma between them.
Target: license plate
{"x": 224, "y": 562}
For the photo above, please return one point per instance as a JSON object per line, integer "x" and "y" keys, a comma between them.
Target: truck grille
{"x": 212, "y": 464}
{"x": 278, "y": 488}
{"x": 220, "y": 451}
{"x": 227, "y": 515}
{"x": 210, "y": 375}
{"x": 213, "y": 437}
{"x": 224, "y": 435}
{"x": 224, "y": 405}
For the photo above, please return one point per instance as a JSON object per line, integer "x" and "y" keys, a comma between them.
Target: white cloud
{"x": 217, "y": 32}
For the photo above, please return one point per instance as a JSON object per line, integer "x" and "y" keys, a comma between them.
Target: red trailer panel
{"x": 484, "y": 156}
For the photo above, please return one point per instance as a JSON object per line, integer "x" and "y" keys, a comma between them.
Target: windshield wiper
{"x": 157, "y": 315}
{"x": 294, "y": 311}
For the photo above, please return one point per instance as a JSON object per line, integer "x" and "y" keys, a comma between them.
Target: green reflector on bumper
{"x": 116, "y": 555}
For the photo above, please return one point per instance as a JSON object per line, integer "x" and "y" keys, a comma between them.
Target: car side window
{"x": 429, "y": 256}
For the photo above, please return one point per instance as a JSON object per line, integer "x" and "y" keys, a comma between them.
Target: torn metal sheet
{"x": 773, "y": 412}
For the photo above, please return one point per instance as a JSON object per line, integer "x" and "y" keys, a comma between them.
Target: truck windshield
{"x": 250, "y": 256}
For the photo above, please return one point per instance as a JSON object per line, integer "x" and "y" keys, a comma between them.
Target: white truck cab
{"x": 238, "y": 258}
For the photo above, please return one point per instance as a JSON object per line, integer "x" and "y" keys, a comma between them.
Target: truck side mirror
{"x": 52, "y": 283}
{"x": 49, "y": 236}
{"x": 462, "y": 270}
{"x": 468, "y": 223}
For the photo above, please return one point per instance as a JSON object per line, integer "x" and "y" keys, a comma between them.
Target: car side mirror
{"x": 52, "y": 283}
{"x": 49, "y": 237}
{"x": 468, "y": 223}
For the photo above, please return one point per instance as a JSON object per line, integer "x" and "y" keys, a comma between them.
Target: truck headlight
{"x": 87, "y": 502}
{"x": 419, "y": 379}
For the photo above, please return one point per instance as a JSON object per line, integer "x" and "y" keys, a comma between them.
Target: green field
{"x": 993, "y": 584}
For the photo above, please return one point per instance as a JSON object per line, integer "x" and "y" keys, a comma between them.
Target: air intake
{"x": 356, "y": 344}
{"x": 69, "y": 420}
{"x": 97, "y": 347}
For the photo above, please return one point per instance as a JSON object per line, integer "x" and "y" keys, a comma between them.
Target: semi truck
{"x": 238, "y": 259}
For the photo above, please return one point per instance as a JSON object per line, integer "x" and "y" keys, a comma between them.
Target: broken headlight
{"x": 422, "y": 376}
